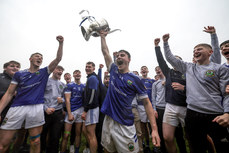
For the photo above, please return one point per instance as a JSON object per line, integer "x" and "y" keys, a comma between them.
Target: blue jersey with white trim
{"x": 30, "y": 87}
{"x": 121, "y": 92}
{"x": 76, "y": 91}
{"x": 148, "y": 84}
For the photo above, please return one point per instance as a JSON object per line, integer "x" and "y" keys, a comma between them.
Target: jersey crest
{"x": 210, "y": 73}
{"x": 129, "y": 82}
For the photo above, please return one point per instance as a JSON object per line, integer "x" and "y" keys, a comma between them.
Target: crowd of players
{"x": 127, "y": 110}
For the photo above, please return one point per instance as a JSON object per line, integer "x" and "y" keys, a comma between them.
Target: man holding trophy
{"x": 119, "y": 134}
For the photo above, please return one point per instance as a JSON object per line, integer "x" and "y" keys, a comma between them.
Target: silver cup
{"x": 92, "y": 27}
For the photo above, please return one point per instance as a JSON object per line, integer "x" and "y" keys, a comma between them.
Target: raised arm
{"x": 178, "y": 64}
{"x": 59, "y": 54}
{"x": 105, "y": 50}
{"x": 216, "y": 56}
{"x": 100, "y": 72}
{"x": 7, "y": 97}
{"x": 160, "y": 59}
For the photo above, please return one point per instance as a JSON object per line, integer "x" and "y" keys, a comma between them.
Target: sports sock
{"x": 77, "y": 150}
{"x": 147, "y": 143}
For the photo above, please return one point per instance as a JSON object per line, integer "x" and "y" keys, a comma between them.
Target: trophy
{"x": 92, "y": 27}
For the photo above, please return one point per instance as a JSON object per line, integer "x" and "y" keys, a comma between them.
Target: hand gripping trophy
{"x": 93, "y": 27}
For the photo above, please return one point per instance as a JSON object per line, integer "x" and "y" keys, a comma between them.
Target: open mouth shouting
{"x": 39, "y": 62}
{"x": 197, "y": 55}
{"x": 119, "y": 62}
{"x": 59, "y": 74}
{"x": 226, "y": 53}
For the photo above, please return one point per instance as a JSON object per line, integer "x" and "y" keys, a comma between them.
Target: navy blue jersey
{"x": 30, "y": 86}
{"x": 76, "y": 91}
{"x": 148, "y": 84}
{"x": 123, "y": 87}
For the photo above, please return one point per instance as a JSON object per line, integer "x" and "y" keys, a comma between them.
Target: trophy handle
{"x": 84, "y": 11}
{"x": 90, "y": 19}
{"x": 114, "y": 30}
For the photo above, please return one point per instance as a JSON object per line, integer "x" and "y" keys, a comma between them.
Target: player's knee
{"x": 66, "y": 134}
{"x": 35, "y": 141}
{"x": 3, "y": 147}
{"x": 168, "y": 138}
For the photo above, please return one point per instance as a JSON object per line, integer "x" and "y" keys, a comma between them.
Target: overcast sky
{"x": 28, "y": 26}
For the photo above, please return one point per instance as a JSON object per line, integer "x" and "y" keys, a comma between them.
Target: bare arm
{"x": 59, "y": 54}
{"x": 105, "y": 50}
{"x": 68, "y": 106}
{"x": 7, "y": 97}
{"x": 151, "y": 117}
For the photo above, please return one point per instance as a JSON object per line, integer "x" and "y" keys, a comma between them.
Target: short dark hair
{"x": 223, "y": 43}
{"x": 35, "y": 54}
{"x": 59, "y": 67}
{"x": 157, "y": 67}
{"x": 144, "y": 66}
{"x": 91, "y": 63}
{"x": 76, "y": 71}
{"x": 128, "y": 54}
{"x": 204, "y": 45}
{"x": 136, "y": 72}
{"x": 106, "y": 76}
{"x": 67, "y": 74}
{"x": 11, "y": 62}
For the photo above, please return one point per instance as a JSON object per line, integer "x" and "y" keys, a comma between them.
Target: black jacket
{"x": 91, "y": 98}
{"x": 172, "y": 96}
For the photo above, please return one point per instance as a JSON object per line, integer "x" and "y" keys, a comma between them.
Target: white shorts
{"x": 119, "y": 138}
{"x": 28, "y": 116}
{"x": 77, "y": 116}
{"x": 92, "y": 116}
{"x": 142, "y": 114}
{"x": 174, "y": 115}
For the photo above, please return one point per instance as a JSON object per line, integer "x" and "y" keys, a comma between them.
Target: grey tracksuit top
{"x": 205, "y": 84}
{"x": 158, "y": 94}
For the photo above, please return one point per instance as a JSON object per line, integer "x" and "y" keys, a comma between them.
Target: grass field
{"x": 83, "y": 145}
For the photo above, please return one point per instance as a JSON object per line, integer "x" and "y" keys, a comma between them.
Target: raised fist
{"x": 156, "y": 41}
{"x": 101, "y": 66}
{"x": 165, "y": 37}
{"x": 60, "y": 38}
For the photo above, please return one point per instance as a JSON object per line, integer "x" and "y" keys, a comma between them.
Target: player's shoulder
{"x": 82, "y": 85}
{"x": 70, "y": 84}
{"x": 134, "y": 76}
{"x": 93, "y": 78}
